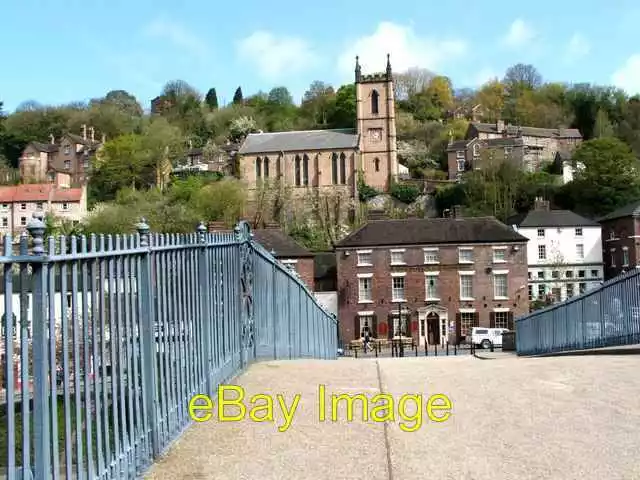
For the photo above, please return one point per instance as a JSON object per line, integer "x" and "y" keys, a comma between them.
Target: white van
{"x": 484, "y": 337}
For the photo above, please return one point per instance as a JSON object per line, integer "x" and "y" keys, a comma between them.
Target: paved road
{"x": 513, "y": 418}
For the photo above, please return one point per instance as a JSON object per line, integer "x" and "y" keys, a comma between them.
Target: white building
{"x": 564, "y": 252}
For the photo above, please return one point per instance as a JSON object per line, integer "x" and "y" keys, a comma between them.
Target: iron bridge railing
{"x": 107, "y": 338}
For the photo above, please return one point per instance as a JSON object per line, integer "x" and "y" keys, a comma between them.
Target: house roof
{"x": 458, "y": 145}
{"x": 630, "y": 210}
{"x": 87, "y": 142}
{"x": 39, "y": 192}
{"x": 426, "y": 231}
{"x": 528, "y": 131}
{"x": 299, "y": 141}
{"x": 504, "y": 142}
{"x": 278, "y": 241}
{"x": 44, "y": 147}
{"x": 551, "y": 218}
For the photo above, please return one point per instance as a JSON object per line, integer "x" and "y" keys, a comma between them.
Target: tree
{"x": 522, "y": 77}
{"x": 606, "y": 177}
{"x": 492, "y": 98}
{"x": 240, "y": 128}
{"x": 343, "y": 112}
{"x": 317, "y": 102}
{"x": 237, "y": 96}
{"x": 409, "y": 83}
{"x": 602, "y": 127}
{"x": 629, "y": 127}
{"x": 211, "y": 99}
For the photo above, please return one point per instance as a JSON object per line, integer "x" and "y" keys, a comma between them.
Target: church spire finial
{"x": 358, "y": 69}
{"x": 388, "y": 65}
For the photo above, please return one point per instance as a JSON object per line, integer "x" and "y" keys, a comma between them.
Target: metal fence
{"x": 107, "y": 338}
{"x": 603, "y": 317}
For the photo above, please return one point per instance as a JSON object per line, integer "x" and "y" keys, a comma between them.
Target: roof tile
{"x": 299, "y": 141}
{"x": 42, "y": 192}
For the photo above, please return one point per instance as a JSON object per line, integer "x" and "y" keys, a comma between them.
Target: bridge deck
{"x": 526, "y": 418}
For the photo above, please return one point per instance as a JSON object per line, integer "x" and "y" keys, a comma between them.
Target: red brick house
{"x": 621, "y": 240}
{"x": 431, "y": 279}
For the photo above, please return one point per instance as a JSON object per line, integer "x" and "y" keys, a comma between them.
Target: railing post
{"x": 205, "y": 298}
{"x": 41, "y": 370}
{"x": 147, "y": 316}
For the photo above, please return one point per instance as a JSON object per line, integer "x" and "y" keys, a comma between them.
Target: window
{"x": 343, "y": 169}
{"x": 476, "y": 150}
{"x": 500, "y": 286}
{"x": 23, "y": 221}
{"x": 298, "y": 177}
{"x": 530, "y": 292}
{"x": 376, "y": 164}
{"x": 397, "y": 257}
{"x": 542, "y": 252}
{"x": 5, "y": 222}
{"x": 364, "y": 289}
{"x": 305, "y": 170}
{"x": 578, "y": 232}
{"x": 367, "y": 324}
{"x": 466, "y": 287}
{"x": 541, "y": 275}
{"x": 542, "y": 291}
{"x": 39, "y": 205}
{"x": 374, "y": 102}
{"x": 612, "y": 235}
{"x": 541, "y": 233}
{"x": 568, "y": 274}
{"x": 364, "y": 258}
{"x": 501, "y": 319}
{"x": 265, "y": 167}
{"x": 67, "y": 149}
{"x": 431, "y": 285}
{"x": 65, "y": 206}
{"x": 460, "y": 154}
{"x": 555, "y": 274}
{"x": 465, "y": 255}
{"x": 582, "y": 287}
{"x": 557, "y": 293}
{"x": 23, "y": 206}
{"x": 399, "y": 326}
{"x": 625, "y": 256}
{"x": 5, "y": 205}
{"x": 67, "y": 164}
{"x": 499, "y": 255}
{"x": 290, "y": 264}
{"x": 397, "y": 288}
{"x": 461, "y": 165}
{"x": 570, "y": 290}
{"x": 582, "y": 274}
{"x": 613, "y": 257}
{"x": 594, "y": 273}
{"x": 431, "y": 255}
{"x": 334, "y": 168}
{"x": 579, "y": 251}
{"x": 467, "y": 321}
{"x": 258, "y": 167}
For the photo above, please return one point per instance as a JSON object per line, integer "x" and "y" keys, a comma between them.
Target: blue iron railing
{"x": 606, "y": 316}
{"x": 107, "y": 338}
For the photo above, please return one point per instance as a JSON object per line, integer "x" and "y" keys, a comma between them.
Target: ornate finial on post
{"x": 143, "y": 231}
{"x": 388, "y": 65}
{"x": 358, "y": 70}
{"x": 202, "y": 230}
{"x": 36, "y": 228}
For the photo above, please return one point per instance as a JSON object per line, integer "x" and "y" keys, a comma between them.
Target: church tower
{"x": 376, "y": 125}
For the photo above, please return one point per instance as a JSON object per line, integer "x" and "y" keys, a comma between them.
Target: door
{"x": 433, "y": 328}
{"x": 422, "y": 328}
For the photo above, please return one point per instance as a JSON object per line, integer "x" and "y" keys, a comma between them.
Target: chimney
{"x": 92, "y": 134}
{"x": 52, "y": 139}
{"x": 541, "y": 204}
{"x": 500, "y": 126}
{"x": 84, "y": 131}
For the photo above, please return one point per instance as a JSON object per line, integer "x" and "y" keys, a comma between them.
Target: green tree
{"x": 211, "y": 99}
{"x": 602, "y": 126}
{"x": 316, "y": 103}
{"x": 237, "y": 96}
{"x": 343, "y": 112}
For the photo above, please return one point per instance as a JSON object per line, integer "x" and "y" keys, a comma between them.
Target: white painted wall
{"x": 329, "y": 300}
{"x": 561, "y": 256}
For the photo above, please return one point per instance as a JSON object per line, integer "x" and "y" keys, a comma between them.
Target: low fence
{"x": 111, "y": 336}
{"x": 410, "y": 348}
{"x": 603, "y": 317}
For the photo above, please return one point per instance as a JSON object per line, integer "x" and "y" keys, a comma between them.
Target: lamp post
{"x": 400, "y": 330}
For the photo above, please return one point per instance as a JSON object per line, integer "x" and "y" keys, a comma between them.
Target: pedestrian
{"x": 367, "y": 339}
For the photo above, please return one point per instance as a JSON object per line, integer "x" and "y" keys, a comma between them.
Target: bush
{"x": 405, "y": 192}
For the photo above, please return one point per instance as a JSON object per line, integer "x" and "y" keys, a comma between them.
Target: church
{"x": 329, "y": 160}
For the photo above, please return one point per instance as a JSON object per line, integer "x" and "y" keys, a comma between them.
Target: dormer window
{"x": 67, "y": 149}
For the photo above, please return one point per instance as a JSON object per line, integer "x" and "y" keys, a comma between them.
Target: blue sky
{"x": 57, "y": 51}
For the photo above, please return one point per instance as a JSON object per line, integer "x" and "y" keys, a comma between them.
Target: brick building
{"x": 432, "y": 279}
{"x": 621, "y": 240}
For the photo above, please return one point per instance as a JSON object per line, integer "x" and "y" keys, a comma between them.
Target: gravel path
{"x": 512, "y": 418}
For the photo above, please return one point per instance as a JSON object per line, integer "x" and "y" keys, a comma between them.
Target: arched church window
{"x": 265, "y": 167}
{"x": 305, "y": 170}
{"x": 297, "y": 167}
{"x": 376, "y": 163}
{"x": 258, "y": 167}
{"x": 334, "y": 168}
{"x": 374, "y": 102}
{"x": 343, "y": 169}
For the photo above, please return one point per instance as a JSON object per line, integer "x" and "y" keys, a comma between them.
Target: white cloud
{"x": 483, "y": 76}
{"x": 628, "y": 76}
{"x": 519, "y": 35}
{"x": 276, "y": 56}
{"x": 407, "y": 50}
{"x": 180, "y": 36}
{"x": 578, "y": 47}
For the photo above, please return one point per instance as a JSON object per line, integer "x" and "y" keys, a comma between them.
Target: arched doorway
{"x": 433, "y": 328}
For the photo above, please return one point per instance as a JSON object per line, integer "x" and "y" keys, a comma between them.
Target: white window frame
{"x": 23, "y": 221}
{"x": 578, "y": 232}
{"x": 501, "y": 273}
{"x": 364, "y": 252}
{"x": 542, "y": 249}
{"x": 462, "y": 275}
{"x": 613, "y": 257}
{"x": 501, "y": 311}
{"x": 580, "y": 251}
{"x": 23, "y": 206}
{"x": 461, "y": 164}
{"x": 538, "y": 233}
{"x": 65, "y": 206}
{"x": 625, "y": 256}
{"x": 5, "y": 222}
{"x": 428, "y": 251}
{"x": 365, "y": 276}
{"x": 397, "y": 251}
{"x": 393, "y": 289}
{"x": 465, "y": 249}
{"x": 500, "y": 249}
{"x": 460, "y": 154}
{"x": 427, "y": 277}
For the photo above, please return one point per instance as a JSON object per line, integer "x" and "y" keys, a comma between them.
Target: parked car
{"x": 485, "y": 337}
